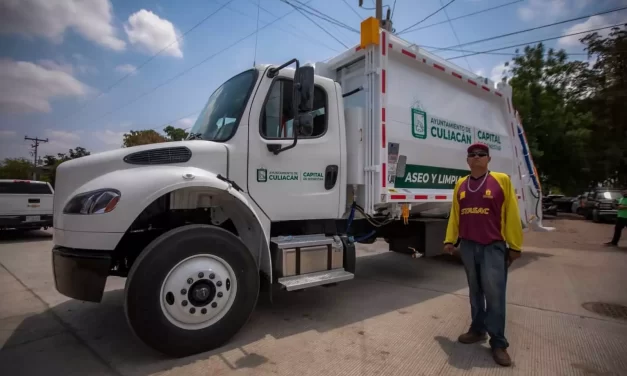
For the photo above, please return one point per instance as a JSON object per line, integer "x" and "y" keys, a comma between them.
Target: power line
{"x": 494, "y": 53}
{"x": 537, "y": 41}
{"x": 455, "y": 34}
{"x": 535, "y": 28}
{"x": 426, "y": 18}
{"x": 184, "y": 72}
{"x": 316, "y": 13}
{"x": 393, "y": 9}
{"x": 354, "y": 11}
{"x": 300, "y": 33}
{"x": 463, "y": 16}
{"x": 175, "y": 120}
{"x": 257, "y": 34}
{"x": 312, "y": 21}
{"x": 147, "y": 61}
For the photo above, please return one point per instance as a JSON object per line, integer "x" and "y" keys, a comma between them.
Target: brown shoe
{"x": 472, "y": 337}
{"x": 501, "y": 357}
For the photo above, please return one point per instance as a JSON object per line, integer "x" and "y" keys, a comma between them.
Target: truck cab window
{"x": 277, "y": 116}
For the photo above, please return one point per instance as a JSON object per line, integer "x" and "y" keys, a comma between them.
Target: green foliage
{"x": 574, "y": 114}
{"x": 175, "y": 134}
{"x": 144, "y": 137}
{"x": 16, "y": 168}
{"x": 150, "y": 136}
{"x": 51, "y": 162}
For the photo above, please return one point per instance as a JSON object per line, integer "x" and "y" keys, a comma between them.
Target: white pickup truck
{"x": 25, "y": 204}
{"x": 284, "y": 171}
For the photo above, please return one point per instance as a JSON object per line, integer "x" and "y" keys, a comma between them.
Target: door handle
{"x": 330, "y": 176}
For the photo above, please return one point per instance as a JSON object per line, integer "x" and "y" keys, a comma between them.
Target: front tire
{"x": 595, "y": 216}
{"x": 191, "y": 290}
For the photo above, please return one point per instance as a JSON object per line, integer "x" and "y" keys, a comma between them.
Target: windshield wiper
{"x": 195, "y": 136}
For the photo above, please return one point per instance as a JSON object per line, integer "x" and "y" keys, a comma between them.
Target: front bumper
{"x": 608, "y": 213}
{"x": 25, "y": 221}
{"x": 80, "y": 274}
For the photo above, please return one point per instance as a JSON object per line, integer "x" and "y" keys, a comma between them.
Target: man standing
{"x": 485, "y": 217}
{"x": 621, "y": 219}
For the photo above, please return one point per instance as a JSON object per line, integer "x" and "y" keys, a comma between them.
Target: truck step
{"x": 304, "y": 281}
{"x": 301, "y": 241}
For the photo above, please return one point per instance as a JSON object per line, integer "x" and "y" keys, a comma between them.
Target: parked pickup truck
{"x": 25, "y": 204}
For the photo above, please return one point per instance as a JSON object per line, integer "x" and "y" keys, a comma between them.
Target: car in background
{"x": 602, "y": 204}
{"x": 549, "y": 206}
{"x": 25, "y": 204}
{"x": 579, "y": 203}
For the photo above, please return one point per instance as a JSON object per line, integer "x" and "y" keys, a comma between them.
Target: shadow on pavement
{"x": 466, "y": 357}
{"x": 19, "y": 236}
{"x": 103, "y": 328}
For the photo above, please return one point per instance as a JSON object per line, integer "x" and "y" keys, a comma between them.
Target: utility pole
{"x": 35, "y": 146}
{"x": 384, "y": 23}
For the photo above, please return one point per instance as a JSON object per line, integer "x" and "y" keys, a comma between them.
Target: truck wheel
{"x": 595, "y": 216}
{"x": 191, "y": 290}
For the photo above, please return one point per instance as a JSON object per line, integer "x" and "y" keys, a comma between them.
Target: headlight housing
{"x": 94, "y": 202}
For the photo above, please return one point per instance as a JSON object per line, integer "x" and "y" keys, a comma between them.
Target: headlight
{"x": 94, "y": 202}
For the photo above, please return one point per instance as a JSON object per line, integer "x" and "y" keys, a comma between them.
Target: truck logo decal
{"x": 419, "y": 123}
{"x": 429, "y": 177}
{"x": 308, "y": 176}
{"x": 425, "y": 125}
{"x": 262, "y": 175}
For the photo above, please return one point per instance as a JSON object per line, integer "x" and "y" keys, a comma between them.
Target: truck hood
{"x": 72, "y": 175}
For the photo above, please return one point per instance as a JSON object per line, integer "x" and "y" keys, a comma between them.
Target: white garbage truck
{"x": 285, "y": 169}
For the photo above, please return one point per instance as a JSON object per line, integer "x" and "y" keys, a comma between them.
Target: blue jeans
{"x": 486, "y": 270}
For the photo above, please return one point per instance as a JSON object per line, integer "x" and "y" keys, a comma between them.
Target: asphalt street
{"x": 399, "y": 316}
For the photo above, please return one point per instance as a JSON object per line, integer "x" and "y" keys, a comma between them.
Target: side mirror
{"x": 302, "y": 100}
{"x": 303, "y": 89}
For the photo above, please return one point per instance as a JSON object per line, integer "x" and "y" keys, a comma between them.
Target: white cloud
{"x": 7, "y": 134}
{"x": 185, "y": 122}
{"x": 151, "y": 33}
{"x": 126, "y": 68}
{"x": 498, "y": 71}
{"x": 33, "y": 86}
{"x": 480, "y": 72}
{"x": 109, "y": 139}
{"x": 593, "y": 22}
{"x": 50, "y": 19}
{"x": 59, "y": 141}
{"x": 550, "y": 9}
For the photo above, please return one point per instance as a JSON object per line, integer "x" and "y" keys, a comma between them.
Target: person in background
{"x": 485, "y": 217}
{"x": 621, "y": 219}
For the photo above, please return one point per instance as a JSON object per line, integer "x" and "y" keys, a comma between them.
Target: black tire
{"x": 595, "y": 216}
{"x": 142, "y": 301}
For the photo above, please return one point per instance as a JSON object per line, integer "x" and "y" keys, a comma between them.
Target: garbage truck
{"x": 284, "y": 171}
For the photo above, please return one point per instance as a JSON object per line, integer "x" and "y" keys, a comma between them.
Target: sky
{"x": 84, "y": 72}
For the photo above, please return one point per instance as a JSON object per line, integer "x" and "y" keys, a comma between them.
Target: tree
{"x": 607, "y": 95}
{"x": 175, "y": 134}
{"x": 51, "y": 162}
{"x": 16, "y": 168}
{"x": 557, "y": 129}
{"x": 135, "y": 138}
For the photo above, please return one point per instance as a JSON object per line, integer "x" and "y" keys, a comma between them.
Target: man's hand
{"x": 449, "y": 248}
{"x": 512, "y": 255}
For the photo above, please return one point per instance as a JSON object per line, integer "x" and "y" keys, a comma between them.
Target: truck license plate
{"x": 33, "y": 218}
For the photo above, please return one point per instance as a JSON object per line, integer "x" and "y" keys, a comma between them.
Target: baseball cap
{"x": 478, "y": 145}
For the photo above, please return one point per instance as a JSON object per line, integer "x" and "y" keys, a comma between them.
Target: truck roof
{"x": 412, "y": 50}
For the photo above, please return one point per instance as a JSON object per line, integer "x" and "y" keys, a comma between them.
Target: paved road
{"x": 400, "y": 316}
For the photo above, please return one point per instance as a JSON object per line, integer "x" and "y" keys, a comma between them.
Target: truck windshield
{"x": 221, "y": 116}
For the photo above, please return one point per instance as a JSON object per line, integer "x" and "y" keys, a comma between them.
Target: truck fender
{"x": 135, "y": 198}
{"x": 238, "y": 208}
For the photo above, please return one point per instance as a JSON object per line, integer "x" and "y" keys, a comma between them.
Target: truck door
{"x": 302, "y": 182}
